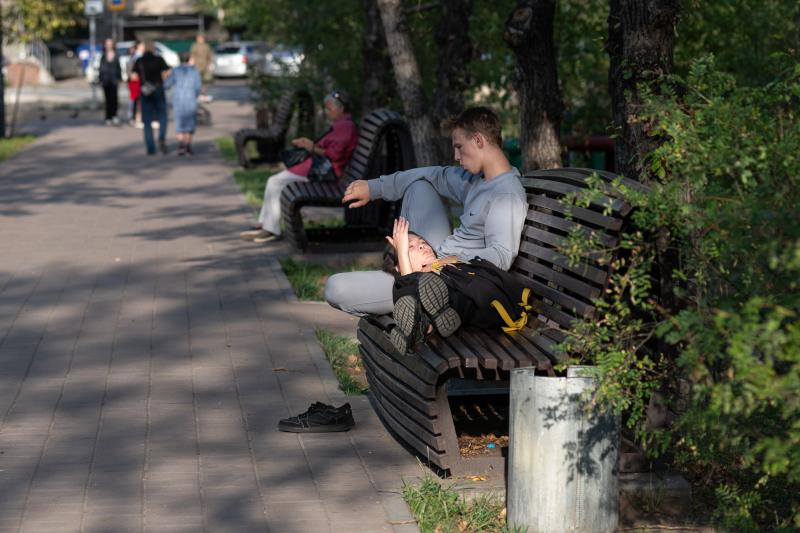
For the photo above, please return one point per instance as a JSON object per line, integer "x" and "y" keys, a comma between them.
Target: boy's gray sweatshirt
{"x": 494, "y": 210}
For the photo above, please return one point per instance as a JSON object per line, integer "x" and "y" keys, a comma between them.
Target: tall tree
{"x": 641, "y": 39}
{"x": 454, "y": 49}
{"x": 529, "y": 33}
{"x": 409, "y": 83}
{"x": 378, "y": 79}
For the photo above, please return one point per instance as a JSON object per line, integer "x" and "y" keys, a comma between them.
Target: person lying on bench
{"x": 445, "y": 294}
{"x": 485, "y": 184}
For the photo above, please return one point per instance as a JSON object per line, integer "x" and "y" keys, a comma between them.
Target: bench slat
{"x": 422, "y": 427}
{"x": 575, "y": 285}
{"x": 583, "y": 270}
{"x": 579, "y": 214}
{"x": 567, "y": 226}
{"x": 400, "y": 389}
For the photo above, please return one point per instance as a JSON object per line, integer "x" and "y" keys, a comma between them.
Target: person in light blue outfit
{"x": 185, "y": 83}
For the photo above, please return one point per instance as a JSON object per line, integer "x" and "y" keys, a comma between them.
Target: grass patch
{"x": 439, "y": 509}
{"x": 252, "y": 183}
{"x": 325, "y": 223}
{"x": 12, "y": 145}
{"x": 343, "y": 355}
{"x": 227, "y": 148}
{"x": 308, "y": 279}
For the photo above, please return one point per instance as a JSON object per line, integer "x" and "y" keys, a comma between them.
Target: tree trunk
{"x": 641, "y": 38}
{"x": 409, "y": 83}
{"x": 529, "y": 33}
{"x": 379, "y": 87}
{"x": 455, "y": 52}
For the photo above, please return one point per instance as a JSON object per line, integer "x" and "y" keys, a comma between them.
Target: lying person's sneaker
{"x": 319, "y": 418}
{"x": 411, "y": 325}
{"x": 252, "y": 233}
{"x": 435, "y": 302}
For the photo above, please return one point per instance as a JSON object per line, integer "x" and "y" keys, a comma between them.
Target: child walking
{"x": 446, "y": 294}
{"x": 185, "y": 81}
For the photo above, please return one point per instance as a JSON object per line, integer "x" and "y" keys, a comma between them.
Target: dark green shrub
{"x": 704, "y": 305}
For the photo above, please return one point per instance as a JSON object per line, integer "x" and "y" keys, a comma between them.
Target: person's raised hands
{"x": 399, "y": 238}
{"x": 357, "y": 193}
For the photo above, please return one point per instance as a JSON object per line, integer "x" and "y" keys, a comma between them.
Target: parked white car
{"x": 235, "y": 58}
{"x": 171, "y": 58}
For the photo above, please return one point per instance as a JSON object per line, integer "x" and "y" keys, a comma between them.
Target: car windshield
{"x": 229, "y": 49}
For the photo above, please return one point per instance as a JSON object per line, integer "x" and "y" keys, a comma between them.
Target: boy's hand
{"x": 358, "y": 193}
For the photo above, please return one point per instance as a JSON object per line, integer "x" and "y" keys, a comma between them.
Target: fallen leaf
{"x": 280, "y": 369}
{"x": 477, "y": 478}
{"x": 462, "y": 526}
{"x": 503, "y": 513}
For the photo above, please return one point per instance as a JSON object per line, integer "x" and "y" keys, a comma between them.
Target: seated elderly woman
{"x": 337, "y": 144}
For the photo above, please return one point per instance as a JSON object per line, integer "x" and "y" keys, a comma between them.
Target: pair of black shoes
{"x": 319, "y": 418}
{"x": 414, "y": 314}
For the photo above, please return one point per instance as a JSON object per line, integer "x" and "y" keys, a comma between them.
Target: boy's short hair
{"x": 185, "y": 57}
{"x": 478, "y": 120}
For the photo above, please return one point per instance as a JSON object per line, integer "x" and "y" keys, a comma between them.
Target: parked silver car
{"x": 234, "y": 59}
{"x": 282, "y": 61}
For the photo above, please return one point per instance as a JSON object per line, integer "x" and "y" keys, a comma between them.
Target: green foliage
{"x": 226, "y": 147}
{"x": 41, "y": 19}
{"x": 342, "y": 353}
{"x": 726, "y": 340}
{"x": 11, "y": 145}
{"x": 439, "y": 508}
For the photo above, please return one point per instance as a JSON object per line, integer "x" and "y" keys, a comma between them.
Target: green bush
{"x": 704, "y": 303}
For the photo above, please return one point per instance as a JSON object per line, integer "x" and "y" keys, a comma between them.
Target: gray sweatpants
{"x": 370, "y": 292}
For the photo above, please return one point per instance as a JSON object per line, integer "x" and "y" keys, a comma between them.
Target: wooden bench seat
{"x": 271, "y": 140}
{"x": 411, "y": 393}
{"x": 384, "y": 146}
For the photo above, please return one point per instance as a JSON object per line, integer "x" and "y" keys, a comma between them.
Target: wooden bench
{"x": 422, "y": 398}
{"x": 270, "y": 141}
{"x": 384, "y": 146}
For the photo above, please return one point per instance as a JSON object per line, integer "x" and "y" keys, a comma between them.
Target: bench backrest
{"x": 563, "y": 292}
{"x": 290, "y": 101}
{"x": 384, "y": 146}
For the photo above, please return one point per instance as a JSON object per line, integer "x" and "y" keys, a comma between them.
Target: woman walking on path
{"x": 185, "y": 84}
{"x": 110, "y": 75}
{"x": 152, "y": 70}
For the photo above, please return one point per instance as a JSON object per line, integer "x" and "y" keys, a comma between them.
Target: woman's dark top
{"x": 149, "y": 67}
{"x": 110, "y": 72}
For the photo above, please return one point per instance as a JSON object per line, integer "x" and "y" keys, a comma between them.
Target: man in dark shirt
{"x": 152, "y": 70}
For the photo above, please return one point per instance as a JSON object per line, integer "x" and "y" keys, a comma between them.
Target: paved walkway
{"x": 146, "y": 355}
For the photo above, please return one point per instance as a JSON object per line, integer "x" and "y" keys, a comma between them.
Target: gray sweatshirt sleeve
{"x": 451, "y": 182}
{"x": 503, "y": 229}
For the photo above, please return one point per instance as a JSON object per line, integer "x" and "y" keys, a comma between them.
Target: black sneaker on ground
{"x": 163, "y": 147}
{"x": 319, "y": 418}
